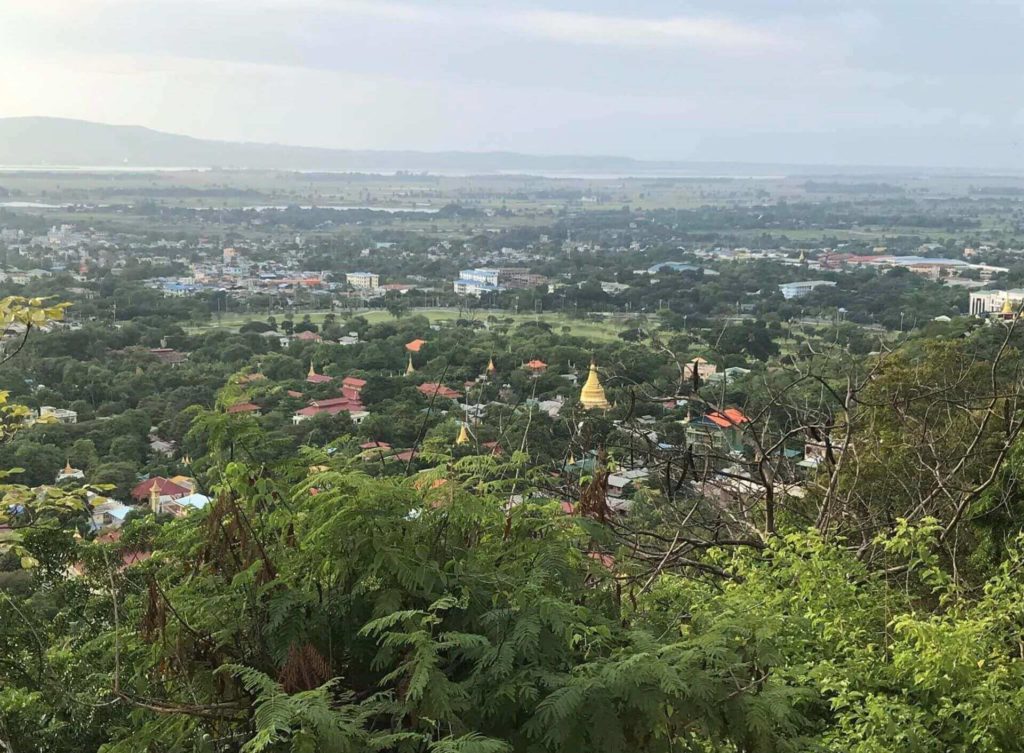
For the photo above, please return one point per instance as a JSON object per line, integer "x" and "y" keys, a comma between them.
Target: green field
{"x": 603, "y": 331}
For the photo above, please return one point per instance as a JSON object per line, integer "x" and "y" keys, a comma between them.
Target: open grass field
{"x": 602, "y": 331}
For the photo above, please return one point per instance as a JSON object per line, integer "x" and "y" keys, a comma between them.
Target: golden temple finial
{"x": 410, "y": 369}
{"x": 1007, "y": 306}
{"x": 491, "y": 368}
{"x": 312, "y": 371}
{"x": 592, "y": 395}
{"x": 463, "y": 437}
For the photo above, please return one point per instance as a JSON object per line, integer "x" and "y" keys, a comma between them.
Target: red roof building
{"x": 313, "y": 378}
{"x": 165, "y": 487}
{"x": 415, "y": 346}
{"x": 332, "y": 407}
{"x": 430, "y": 389}
{"x": 354, "y": 383}
{"x": 244, "y": 408}
{"x": 308, "y": 337}
{"x": 536, "y": 365}
{"x": 730, "y": 417}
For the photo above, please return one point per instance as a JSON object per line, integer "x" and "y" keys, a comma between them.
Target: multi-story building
{"x": 495, "y": 279}
{"x": 990, "y": 302}
{"x": 791, "y": 290}
{"x": 60, "y": 415}
{"x": 363, "y": 280}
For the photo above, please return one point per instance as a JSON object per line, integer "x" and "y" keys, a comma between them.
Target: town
{"x": 576, "y": 369}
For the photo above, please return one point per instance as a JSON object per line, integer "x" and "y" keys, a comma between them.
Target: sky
{"x": 886, "y": 82}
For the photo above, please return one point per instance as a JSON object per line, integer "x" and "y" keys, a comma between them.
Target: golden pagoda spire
{"x": 409, "y": 369}
{"x": 68, "y": 470}
{"x": 1007, "y": 306}
{"x": 803, "y": 256}
{"x": 154, "y": 498}
{"x": 463, "y": 437}
{"x": 312, "y": 371}
{"x": 491, "y": 368}
{"x": 592, "y": 396}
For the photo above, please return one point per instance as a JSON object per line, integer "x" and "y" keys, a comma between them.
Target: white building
{"x": 473, "y": 288}
{"x": 986, "y": 302}
{"x": 490, "y": 277}
{"x": 476, "y": 282}
{"x": 791, "y": 290}
{"x": 109, "y": 514}
{"x": 60, "y": 415}
{"x": 363, "y": 280}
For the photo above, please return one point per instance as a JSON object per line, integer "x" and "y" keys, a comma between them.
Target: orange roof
{"x": 536, "y": 364}
{"x": 243, "y": 408}
{"x": 728, "y": 417}
{"x": 415, "y": 345}
{"x": 433, "y": 388}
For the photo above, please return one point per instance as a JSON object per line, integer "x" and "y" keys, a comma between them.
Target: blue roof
{"x": 119, "y": 512}
{"x": 196, "y": 500}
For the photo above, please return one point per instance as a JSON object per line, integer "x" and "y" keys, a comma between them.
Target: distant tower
{"x": 154, "y": 498}
{"x": 410, "y": 370}
{"x": 592, "y": 396}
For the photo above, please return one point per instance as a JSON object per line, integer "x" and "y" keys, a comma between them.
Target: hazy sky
{"x": 929, "y": 82}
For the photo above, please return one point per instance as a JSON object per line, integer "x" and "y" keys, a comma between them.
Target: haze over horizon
{"x": 796, "y": 81}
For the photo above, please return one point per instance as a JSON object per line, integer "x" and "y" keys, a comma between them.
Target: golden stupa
{"x": 491, "y": 368}
{"x": 592, "y": 396}
{"x": 1007, "y": 307}
{"x": 409, "y": 369}
{"x": 463, "y": 437}
{"x": 311, "y": 372}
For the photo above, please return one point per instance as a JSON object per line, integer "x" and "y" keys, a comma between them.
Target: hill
{"x": 62, "y": 142}
{"x": 39, "y": 141}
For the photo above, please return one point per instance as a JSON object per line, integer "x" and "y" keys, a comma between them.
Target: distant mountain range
{"x": 60, "y": 142}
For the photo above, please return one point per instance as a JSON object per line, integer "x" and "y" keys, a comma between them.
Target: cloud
{"x": 705, "y": 32}
{"x": 581, "y": 28}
